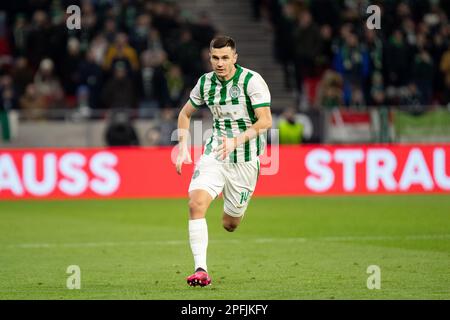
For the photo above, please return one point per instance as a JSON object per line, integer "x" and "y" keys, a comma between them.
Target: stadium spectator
{"x": 140, "y": 33}
{"x": 167, "y": 21}
{"x": 445, "y": 71}
{"x": 166, "y": 126}
{"x": 309, "y": 36}
{"x": 59, "y": 39}
{"x": 22, "y": 75}
{"x": 284, "y": 50}
{"x": 422, "y": 73}
{"x": 154, "y": 40}
{"x": 205, "y": 64}
{"x": 110, "y": 33}
{"x": 83, "y": 99}
{"x": 290, "y": 131}
{"x": 152, "y": 84}
{"x": 20, "y": 35}
{"x": 98, "y": 46}
{"x": 326, "y": 12}
{"x": 48, "y": 85}
{"x": 203, "y": 30}
{"x": 352, "y": 62}
{"x": 358, "y": 100}
{"x": 4, "y": 125}
{"x": 399, "y": 62}
{"x": 188, "y": 57}
{"x": 89, "y": 25}
{"x": 70, "y": 67}
{"x": 120, "y": 130}
{"x": 32, "y": 104}
{"x": 121, "y": 51}
{"x": 127, "y": 15}
{"x": 5, "y": 47}
{"x": 118, "y": 91}
{"x": 325, "y": 57}
{"x": 377, "y": 95}
{"x": 38, "y": 40}
{"x": 8, "y": 97}
{"x": 408, "y": 28}
{"x": 306, "y": 48}
{"x": 374, "y": 46}
{"x": 176, "y": 86}
{"x": 440, "y": 45}
{"x": 446, "y": 94}
{"x": 91, "y": 76}
{"x": 410, "y": 99}
{"x": 330, "y": 93}
{"x": 110, "y": 30}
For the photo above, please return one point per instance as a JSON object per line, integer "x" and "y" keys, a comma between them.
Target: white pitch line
{"x": 231, "y": 241}
{"x": 95, "y": 244}
{"x": 388, "y": 238}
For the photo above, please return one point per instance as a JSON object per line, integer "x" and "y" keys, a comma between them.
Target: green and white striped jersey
{"x": 232, "y": 104}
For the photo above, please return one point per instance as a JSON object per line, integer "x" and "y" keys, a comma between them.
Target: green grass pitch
{"x": 285, "y": 248}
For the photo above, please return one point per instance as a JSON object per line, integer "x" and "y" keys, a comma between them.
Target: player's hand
{"x": 225, "y": 147}
{"x": 184, "y": 156}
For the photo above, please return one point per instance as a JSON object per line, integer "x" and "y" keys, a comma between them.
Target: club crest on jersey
{"x": 235, "y": 92}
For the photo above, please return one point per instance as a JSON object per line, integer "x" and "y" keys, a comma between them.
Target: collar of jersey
{"x": 232, "y": 78}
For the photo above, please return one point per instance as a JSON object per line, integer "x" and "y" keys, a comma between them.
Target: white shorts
{"x": 236, "y": 180}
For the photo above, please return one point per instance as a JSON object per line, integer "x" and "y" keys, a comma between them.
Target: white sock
{"x": 198, "y": 238}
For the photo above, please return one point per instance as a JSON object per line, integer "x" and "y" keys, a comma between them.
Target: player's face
{"x": 222, "y": 61}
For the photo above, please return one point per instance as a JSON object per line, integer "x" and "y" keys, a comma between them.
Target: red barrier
{"x": 360, "y": 170}
{"x": 149, "y": 172}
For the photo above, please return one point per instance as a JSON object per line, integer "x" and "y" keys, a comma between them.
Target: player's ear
{"x": 235, "y": 57}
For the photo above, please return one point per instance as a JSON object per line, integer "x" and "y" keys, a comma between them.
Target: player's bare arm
{"x": 184, "y": 120}
{"x": 263, "y": 123}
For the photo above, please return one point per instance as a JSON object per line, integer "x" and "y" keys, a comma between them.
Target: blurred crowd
{"x": 146, "y": 55}
{"x": 139, "y": 54}
{"x": 330, "y": 58}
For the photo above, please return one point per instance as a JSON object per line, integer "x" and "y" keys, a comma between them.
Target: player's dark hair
{"x": 222, "y": 42}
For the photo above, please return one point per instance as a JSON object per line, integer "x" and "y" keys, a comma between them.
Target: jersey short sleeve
{"x": 196, "y": 96}
{"x": 258, "y": 92}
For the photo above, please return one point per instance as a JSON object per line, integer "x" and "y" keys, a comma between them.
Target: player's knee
{"x": 229, "y": 225}
{"x": 196, "y": 207}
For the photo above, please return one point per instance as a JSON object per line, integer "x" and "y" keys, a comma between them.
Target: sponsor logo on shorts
{"x": 244, "y": 196}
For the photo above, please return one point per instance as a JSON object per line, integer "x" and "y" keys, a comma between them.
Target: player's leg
{"x": 240, "y": 182}
{"x": 199, "y": 201}
{"x": 206, "y": 184}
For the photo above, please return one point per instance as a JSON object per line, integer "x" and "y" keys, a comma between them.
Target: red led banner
{"x": 285, "y": 170}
